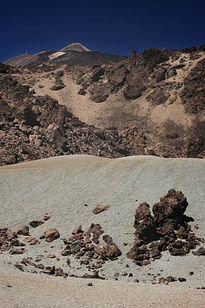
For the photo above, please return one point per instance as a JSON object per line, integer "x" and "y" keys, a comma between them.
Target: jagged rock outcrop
{"x": 167, "y": 229}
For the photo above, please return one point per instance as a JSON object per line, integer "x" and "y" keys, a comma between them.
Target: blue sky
{"x": 102, "y": 25}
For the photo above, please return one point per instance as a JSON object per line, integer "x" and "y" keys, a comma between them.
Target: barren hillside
{"x": 152, "y": 103}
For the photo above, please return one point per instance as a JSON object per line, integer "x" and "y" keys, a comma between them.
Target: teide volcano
{"x": 73, "y": 54}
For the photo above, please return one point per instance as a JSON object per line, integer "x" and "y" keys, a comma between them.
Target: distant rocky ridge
{"x": 149, "y": 104}
{"x": 73, "y": 54}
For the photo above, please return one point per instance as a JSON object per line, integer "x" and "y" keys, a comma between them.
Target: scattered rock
{"x": 60, "y": 272}
{"x": 78, "y": 229}
{"x": 51, "y": 235}
{"x": 35, "y": 223}
{"x": 23, "y": 230}
{"x": 108, "y": 240}
{"x": 199, "y": 252}
{"x": 50, "y": 270}
{"x": 100, "y": 208}
{"x": 16, "y": 251}
{"x": 46, "y": 217}
{"x": 51, "y": 256}
{"x": 181, "y": 279}
{"x": 19, "y": 266}
{"x": 90, "y": 284}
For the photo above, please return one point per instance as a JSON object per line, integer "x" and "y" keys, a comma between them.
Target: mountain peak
{"x": 75, "y": 46}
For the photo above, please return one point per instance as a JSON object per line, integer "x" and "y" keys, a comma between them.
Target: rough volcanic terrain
{"x": 85, "y": 221}
{"x": 149, "y": 104}
{"x": 73, "y": 216}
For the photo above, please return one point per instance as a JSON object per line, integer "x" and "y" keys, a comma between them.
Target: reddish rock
{"x": 112, "y": 252}
{"x": 31, "y": 240}
{"x": 23, "y": 230}
{"x": 10, "y": 234}
{"x": 100, "y": 208}
{"x": 40, "y": 266}
{"x": 77, "y": 230}
{"x": 46, "y": 217}
{"x": 51, "y": 256}
{"x": 34, "y": 241}
{"x": 51, "y": 235}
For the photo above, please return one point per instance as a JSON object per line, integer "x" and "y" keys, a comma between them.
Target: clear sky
{"x": 111, "y": 26}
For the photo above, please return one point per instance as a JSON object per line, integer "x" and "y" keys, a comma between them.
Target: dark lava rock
{"x": 35, "y": 223}
{"x": 182, "y": 279}
{"x": 167, "y": 229}
{"x": 199, "y": 252}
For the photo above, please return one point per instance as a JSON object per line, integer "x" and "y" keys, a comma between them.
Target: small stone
{"x": 182, "y": 279}
{"x": 50, "y": 270}
{"x": 35, "y": 223}
{"x": 77, "y": 230}
{"x": 51, "y": 235}
{"x": 16, "y": 251}
{"x": 51, "y": 256}
{"x": 90, "y": 284}
{"x": 199, "y": 252}
{"x": 19, "y": 266}
{"x": 23, "y": 230}
{"x": 34, "y": 241}
{"x": 100, "y": 208}
{"x": 40, "y": 266}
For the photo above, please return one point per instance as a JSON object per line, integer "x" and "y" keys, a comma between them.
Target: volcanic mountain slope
{"x": 72, "y": 54}
{"x": 152, "y": 103}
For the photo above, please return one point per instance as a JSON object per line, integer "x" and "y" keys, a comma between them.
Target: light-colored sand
{"x": 46, "y": 292}
{"x": 60, "y": 186}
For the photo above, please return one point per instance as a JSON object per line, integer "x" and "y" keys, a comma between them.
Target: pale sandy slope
{"x": 61, "y": 186}
{"x": 46, "y": 292}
